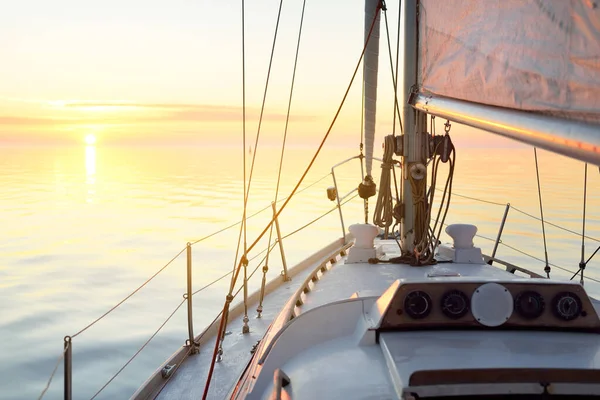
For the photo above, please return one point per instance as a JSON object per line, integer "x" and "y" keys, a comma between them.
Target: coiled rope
{"x": 383, "y": 215}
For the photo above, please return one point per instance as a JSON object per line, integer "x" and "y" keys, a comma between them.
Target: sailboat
{"x": 397, "y": 314}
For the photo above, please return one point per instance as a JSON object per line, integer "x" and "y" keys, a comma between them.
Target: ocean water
{"x": 82, "y": 227}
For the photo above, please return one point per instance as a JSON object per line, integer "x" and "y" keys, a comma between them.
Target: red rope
{"x": 226, "y": 306}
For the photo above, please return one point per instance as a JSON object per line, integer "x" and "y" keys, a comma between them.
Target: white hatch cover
{"x": 491, "y": 304}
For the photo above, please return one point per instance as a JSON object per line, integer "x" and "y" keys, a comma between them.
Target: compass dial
{"x": 417, "y": 304}
{"x": 455, "y": 304}
{"x": 566, "y": 306}
{"x": 529, "y": 304}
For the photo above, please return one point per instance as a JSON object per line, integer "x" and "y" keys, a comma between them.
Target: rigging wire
{"x": 287, "y": 119}
{"x": 264, "y": 231}
{"x": 139, "y": 350}
{"x": 549, "y": 223}
{"x": 396, "y": 73}
{"x": 361, "y": 146}
{"x": 583, "y": 263}
{"x": 127, "y": 297}
{"x": 547, "y": 268}
{"x": 60, "y": 358}
{"x": 244, "y": 197}
{"x": 262, "y": 109}
{"x": 159, "y": 271}
{"x": 430, "y": 238}
{"x": 539, "y": 259}
{"x": 318, "y": 218}
{"x": 243, "y": 224}
{"x": 398, "y": 209}
{"x": 264, "y": 99}
{"x": 394, "y": 78}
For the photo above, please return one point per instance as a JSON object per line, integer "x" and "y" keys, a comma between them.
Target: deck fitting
{"x": 246, "y": 328}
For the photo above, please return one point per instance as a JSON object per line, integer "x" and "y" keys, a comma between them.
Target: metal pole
{"x": 246, "y": 327}
{"x": 413, "y": 121}
{"x": 499, "y": 233}
{"x": 192, "y": 343}
{"x": 279, "y": 240}
{"x": 68, "y": 368}
{"x": 339, "y": 206}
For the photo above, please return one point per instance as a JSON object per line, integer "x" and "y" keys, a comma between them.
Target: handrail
{"x": 317, "y": 219}
{"x": 541, "y": 260}
{"x": 498, "y": 241}
{"x": 138, "y": 351}
{"x": 187, "y": 297}
{"x": 526, "y": 214}
{"x": 511, "y": 267}
{"x": 306, "y": 285}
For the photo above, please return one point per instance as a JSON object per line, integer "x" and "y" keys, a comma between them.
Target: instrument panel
{"x": 476, "y": 304}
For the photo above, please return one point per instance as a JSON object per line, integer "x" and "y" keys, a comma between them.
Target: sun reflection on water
{"x": 90, "y": 172}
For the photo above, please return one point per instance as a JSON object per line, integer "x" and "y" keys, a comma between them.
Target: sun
{"x": 90, "y": 139}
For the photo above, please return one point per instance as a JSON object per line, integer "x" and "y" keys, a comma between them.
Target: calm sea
{"x": 81, "y": 227}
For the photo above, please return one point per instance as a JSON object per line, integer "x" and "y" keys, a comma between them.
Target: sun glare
{"x": 90, "y": 139}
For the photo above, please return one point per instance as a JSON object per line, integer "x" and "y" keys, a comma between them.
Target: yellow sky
{"x": 156, "y": 72}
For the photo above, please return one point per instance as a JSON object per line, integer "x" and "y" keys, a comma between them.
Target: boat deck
{"x": 189, "y": 380}
{"x": 337, "y": 281}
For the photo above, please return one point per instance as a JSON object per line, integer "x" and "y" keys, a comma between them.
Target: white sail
{"x": 370, "y": 68}
{"x": 532, "y": 55}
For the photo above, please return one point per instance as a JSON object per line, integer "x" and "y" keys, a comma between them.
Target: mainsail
{"x": 535, "y": 59}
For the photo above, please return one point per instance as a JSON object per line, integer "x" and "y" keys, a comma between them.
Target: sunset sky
{"x": 158, "y": 72}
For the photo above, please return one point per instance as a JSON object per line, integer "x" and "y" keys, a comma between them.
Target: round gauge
{"x": 566, "y": 305}
{"x": 455, "y": 304}
{"x": 417, "y": 304}
{"x": 529, "y": 304}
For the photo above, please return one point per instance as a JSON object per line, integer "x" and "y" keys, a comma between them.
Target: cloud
{"x": 190, "y": 112}
{"x": 127, "y": 104}
{"x": 29, "y": 121}
{"x": 170, "y": 113}
{"x": 144, "y": 113}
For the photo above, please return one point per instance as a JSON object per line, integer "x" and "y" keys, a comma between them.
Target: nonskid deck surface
{"x": 189, "y": 380}
{"x": 341, "y": 281}
{"x": 373, "y": 279}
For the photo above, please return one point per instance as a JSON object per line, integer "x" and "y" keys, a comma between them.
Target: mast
{"x": 415, "y": 123}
